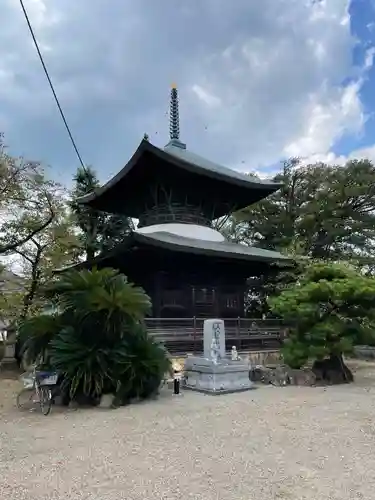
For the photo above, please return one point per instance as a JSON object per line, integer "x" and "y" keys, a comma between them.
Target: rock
{"x": 106, "y": 401}
{"x": 170, "y": 383}
{"x": 280, "y": 376}
{"x": 259, "y": 373}
{"x": 277, "y": 375}
{"x": 303, "y": 376}
{"x": 73, "y": 405}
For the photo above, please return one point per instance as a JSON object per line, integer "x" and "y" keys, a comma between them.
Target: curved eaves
{"x": 222, "y": 174}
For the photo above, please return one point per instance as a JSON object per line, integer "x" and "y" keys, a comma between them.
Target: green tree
{"x": 330, "y": 309}
{"x": 53, "y": 247}
{"x": 324, "y": 211}
{"x": 11, "y": 297}
{"x": 89, "y": 221}
{"x": 96, "y": 338}
{"x": 11, "y": 300}
{"x": 278, "y": 278}
{"x": 99, "y": 231}
{"x": 24, "y": 200}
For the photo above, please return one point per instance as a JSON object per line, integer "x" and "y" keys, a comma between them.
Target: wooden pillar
{"x": 241, "y": 297}
{"x": 217, "y": 300}
{"x": 157, "y": 285}
{"x": 192, "y": 303}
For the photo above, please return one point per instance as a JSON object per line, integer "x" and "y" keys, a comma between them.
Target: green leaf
{"x": 331, "y": 308}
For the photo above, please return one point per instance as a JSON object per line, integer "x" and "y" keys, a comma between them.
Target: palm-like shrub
{"x": 84, "y": 364}
{"x": 35, "y": 335}
{"x": 97, "y": 340}
{"x": 139, "y": 365}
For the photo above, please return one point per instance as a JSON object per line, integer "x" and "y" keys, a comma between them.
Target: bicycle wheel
{"x": 27, "y": 399}
{"x": 45, "y": 400}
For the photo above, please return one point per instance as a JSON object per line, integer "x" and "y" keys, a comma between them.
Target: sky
{"x": 259, "y": 81}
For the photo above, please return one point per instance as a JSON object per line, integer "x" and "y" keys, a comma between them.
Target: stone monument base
{"x": 9, "y": 362}
{"x": 225, "y": 377}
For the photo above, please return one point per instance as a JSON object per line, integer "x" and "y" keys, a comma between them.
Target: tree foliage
{"x": 99, "y": 231}
{"x": 323, "y": 211}
{"x": 11, "y": 297}
{"x": 278, "y": 278}
{"x": 36, "y": 233}
{"x": 24, "y": 200}
{"x": 330, "y": 309}
{"x": 96, "y": 337}
{"x": 51, "y": 248}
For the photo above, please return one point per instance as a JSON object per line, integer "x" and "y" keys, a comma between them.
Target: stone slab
{"x": 203, "y": 375}
{"x": 204, "y": 365}
{"x": 10, "y": 350}
{"x": 213, "y": 332}
{"x": 218, "y": 393}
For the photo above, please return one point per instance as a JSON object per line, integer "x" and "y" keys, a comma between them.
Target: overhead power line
{"x": 51, "y": 85}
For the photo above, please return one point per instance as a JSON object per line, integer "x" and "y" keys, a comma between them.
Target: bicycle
{"x": 37, "y": 390}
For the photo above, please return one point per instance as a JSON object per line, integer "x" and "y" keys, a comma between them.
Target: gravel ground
{"x": 269, "y": 443}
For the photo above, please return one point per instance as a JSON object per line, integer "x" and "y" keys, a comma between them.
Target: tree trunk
{"x": 345, "y": 370}
{"x": 13, "y": 246}
{"x": 332, "y": 370}
{"x": 30, "y": 295}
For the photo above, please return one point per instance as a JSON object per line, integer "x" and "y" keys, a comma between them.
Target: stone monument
{"x": 214, "y": 373}
{"x": 9, "y": 349}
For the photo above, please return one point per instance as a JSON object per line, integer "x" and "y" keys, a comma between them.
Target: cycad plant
{"x": 97, "y": 340}
{"x": 139, "y": 364}
{"x": 35, "y": 335}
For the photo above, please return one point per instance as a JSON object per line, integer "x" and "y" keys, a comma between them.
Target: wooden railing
{"x": 173, "y": 212}
{"x": 186, "y": 334}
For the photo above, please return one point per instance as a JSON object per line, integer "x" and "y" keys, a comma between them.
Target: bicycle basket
{"x": 47, "y": 378}
{"x": 27, "y": 380}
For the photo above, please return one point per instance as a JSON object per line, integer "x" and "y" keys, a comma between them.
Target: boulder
{"x": 279, "y": 376}
{"x": 303, "y": 376}
{"x": 275, "y": 375}
{"x": 282, "y": 375}
{"x": 259, "y": 373}
{"x": 106, "y": 401}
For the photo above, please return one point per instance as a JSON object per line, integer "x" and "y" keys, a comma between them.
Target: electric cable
{"x": 51, "y": 85}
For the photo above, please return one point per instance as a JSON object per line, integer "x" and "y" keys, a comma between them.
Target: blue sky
{"x": 258, "y": 80}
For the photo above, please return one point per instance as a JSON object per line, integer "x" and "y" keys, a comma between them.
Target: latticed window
{"x": 231, "y": 303}
{"x": 204, "y": 295}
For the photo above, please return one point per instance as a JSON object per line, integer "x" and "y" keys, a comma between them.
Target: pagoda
{"x": 187, "y": 267}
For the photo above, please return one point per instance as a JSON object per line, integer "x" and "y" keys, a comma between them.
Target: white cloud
{"x": 36, "y": 9}
{"x": 207, "y": 98}
{"x": 281, "y": 91}
{"x": 326, "y": 120}
{"x": 336, "y": 159}
{"x": 257, "y": 80}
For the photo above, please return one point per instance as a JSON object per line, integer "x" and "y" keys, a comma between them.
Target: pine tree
{"x": 99, "y": 231}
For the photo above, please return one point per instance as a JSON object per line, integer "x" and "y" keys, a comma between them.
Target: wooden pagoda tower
{"x": 186, "y": 266}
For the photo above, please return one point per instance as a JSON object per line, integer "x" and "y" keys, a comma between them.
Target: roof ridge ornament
{"x": 174, "y": 119}
{"x": 174, "y": 116}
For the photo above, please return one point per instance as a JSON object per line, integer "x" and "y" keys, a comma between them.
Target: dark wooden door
{"x": 204, "y": 302}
